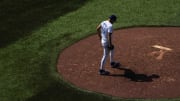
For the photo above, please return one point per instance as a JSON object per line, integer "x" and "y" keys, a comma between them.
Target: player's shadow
{"x": 128, "y": 73}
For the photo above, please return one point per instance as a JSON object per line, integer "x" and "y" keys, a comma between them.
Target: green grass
{"x": 20, "y": 17}
{"x": 33, "y": 33}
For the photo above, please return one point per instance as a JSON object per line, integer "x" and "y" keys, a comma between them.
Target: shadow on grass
{"x": 62, "y": 92}
{"x": 19, "y": 18}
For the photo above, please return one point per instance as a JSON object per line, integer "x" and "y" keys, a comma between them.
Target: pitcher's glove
{"x": 111, "y": 47}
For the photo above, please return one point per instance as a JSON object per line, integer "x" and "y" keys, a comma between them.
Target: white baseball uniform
{"x": 106, "y": 29}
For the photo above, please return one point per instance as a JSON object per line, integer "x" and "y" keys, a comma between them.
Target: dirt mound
{"x": 150, "y": 59}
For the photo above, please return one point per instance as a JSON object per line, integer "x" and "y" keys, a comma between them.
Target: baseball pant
{"x": 106, "y": 52}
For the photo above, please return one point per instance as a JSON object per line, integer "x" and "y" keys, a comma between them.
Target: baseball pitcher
{"x": 105, "y": 30}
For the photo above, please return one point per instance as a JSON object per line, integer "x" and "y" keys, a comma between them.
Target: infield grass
{"x": 33, "y": 33}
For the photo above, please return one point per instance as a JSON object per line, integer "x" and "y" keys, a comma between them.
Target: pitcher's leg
{"x": 112, "y": 62}
{"x": 105, "y": 55}
{"x": 111, "y": 56}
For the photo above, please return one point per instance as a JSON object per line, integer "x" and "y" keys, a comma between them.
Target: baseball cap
{"x": 113, "y": 17}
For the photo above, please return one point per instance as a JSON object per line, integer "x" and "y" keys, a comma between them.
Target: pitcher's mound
{"x": 150, "y": 59}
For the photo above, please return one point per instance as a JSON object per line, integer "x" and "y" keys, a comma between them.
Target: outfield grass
{"x": 20, "y": 17}
{"x": 33, "y": 33}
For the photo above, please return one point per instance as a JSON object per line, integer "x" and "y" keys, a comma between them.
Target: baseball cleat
{"x": 115, "y": 65}
{"x": 103, "y": 72}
